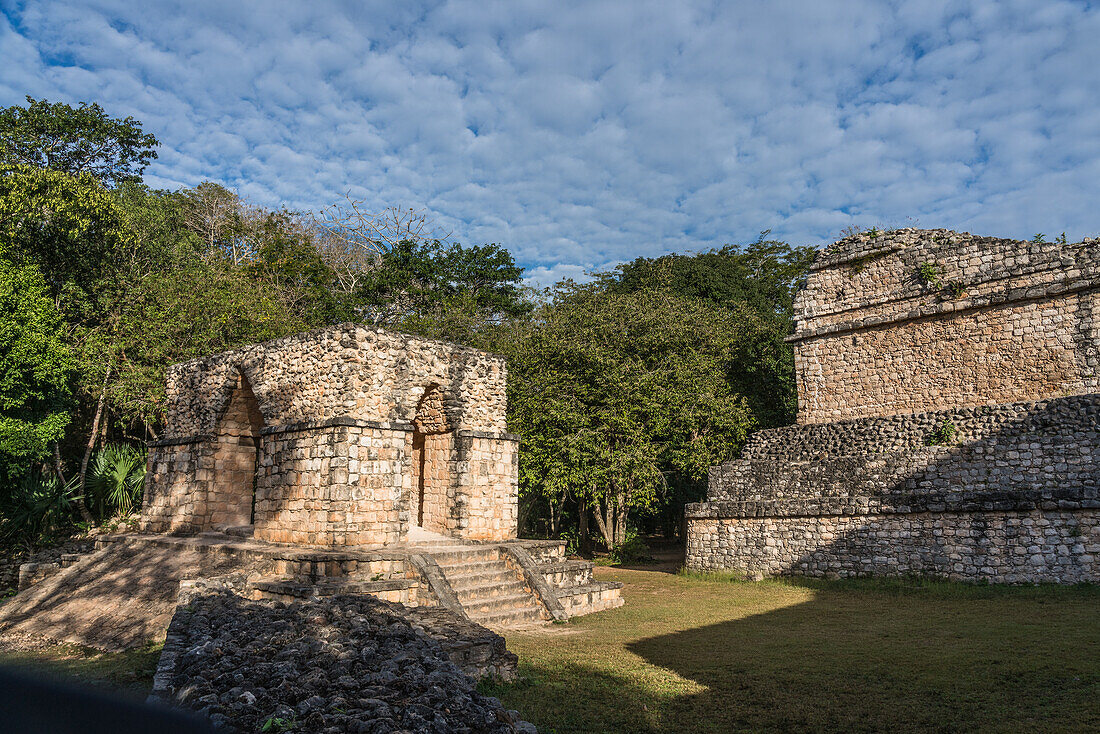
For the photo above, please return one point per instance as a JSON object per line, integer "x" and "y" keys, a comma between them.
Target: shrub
{"x": 572, "y": 538}
{"x": 955, "y": 289}
{"x": 37, "y": 507}
{"x": 117, "y": 479}
{"x": 928, "y": 274}
{"x": 630, "y": 550}
{"x": 943, "y": 434}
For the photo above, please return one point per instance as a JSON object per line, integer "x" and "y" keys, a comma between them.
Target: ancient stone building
{"x": 949, "y": 419}
{"x": 347, "y": 435}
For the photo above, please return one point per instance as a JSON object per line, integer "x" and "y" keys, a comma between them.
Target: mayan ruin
{"x": 344, "y": 461}
{"x": 618, "y": 367}
{"x": 947, "y": 425}
{"x": 347, "y": 436}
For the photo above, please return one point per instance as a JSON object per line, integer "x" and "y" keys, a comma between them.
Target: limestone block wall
{"x": 322, "y": 438}
{"x": 1032, "y": 546}
{"x": 348, "y": 370}
{"x": 489, "y": 466}
{"x": 917, "y": 320}
{"x": 332, "y": 483}
{"x": 1013, "y": 496}
{"x": 177, "y": 482}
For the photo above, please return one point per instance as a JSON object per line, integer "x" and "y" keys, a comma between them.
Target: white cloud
{"x": 584, "y": 134}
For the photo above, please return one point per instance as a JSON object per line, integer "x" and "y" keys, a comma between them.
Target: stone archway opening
{"x": 433, "y": 484}
{"x": 236, "y": 450}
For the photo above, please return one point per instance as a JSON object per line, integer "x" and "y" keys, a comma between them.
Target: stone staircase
{"x": 496, "y": 585}
{"x": 516, "y": 584}
{"x": 491, "y": 593}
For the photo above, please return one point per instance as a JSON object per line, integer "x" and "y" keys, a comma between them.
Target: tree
{"x": 419, "y": 285}
{"x": 762, "y": 276}
{"x": 36, "y": 367}
{"x": 614, "y": 392}
{"x": 70, "y": 227}
{"x": 80, "y": 140}
{"x": 214, "y": 213}
{"x": 364, "y": 236}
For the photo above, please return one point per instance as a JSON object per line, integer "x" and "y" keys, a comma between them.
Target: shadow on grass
{"x": 859, "y": 657}
{"x": 129, "y": 673}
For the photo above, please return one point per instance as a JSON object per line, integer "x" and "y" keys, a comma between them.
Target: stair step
{"x": 507, "y": 617}
{"x": 485, "y": 592}
{"x": 459, "y": 556}
{"x": 498, "y": 603}
{"x": 470, "y": 568}
{"x": 492, "y": 576}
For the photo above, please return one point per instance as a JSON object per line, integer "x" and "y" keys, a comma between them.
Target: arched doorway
{"x": 236, "y": 448}
{"x": 431, "y": 464}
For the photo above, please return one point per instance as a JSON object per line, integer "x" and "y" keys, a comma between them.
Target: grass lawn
{"x": 708, "y": 654}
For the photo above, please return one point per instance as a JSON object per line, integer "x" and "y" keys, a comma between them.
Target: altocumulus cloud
{"x": 583, "y": 134}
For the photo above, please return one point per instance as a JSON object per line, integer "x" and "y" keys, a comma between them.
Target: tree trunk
{"x": 620, "y": 518}
{"x": 585, "y": 544}
{"x": 57, "y": 462}
{"x": 81, "y": 505}
{"x": 553, "y": 521}
{"x": 605, "y": 522}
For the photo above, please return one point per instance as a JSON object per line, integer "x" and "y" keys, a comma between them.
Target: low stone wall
{"x": 349, "y": 663}
{"x": 1013, "y": 495}
{"x": 998, "y": 547}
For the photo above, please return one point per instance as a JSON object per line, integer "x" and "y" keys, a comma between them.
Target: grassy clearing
{"x": 129, "y": 673}
{"x": 711, "y": 654}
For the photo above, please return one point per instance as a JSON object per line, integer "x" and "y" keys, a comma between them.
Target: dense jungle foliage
{"x": 625, "y": 388}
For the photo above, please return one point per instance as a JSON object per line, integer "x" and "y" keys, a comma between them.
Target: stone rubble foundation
{"x": 343, "y": 664}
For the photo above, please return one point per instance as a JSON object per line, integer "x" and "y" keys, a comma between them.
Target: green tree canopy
{"x": 76, "y": 140}
{"x": 36, "y": 367}
{"x": 613, "y": 392}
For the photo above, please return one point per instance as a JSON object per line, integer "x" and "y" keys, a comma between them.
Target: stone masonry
{"x": 347, "y": 435}
{"x": 949, "y": 420}
{"x": 918, "y": 320}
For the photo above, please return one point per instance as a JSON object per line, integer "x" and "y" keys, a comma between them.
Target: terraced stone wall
{"x": 1011, "y": 493}
{"x": 918, "y": 320}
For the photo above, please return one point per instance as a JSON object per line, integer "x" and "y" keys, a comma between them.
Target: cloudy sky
{"x": 583, "y": 134}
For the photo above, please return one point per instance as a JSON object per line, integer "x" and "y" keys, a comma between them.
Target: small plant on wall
{"x": 943, "y": 434}
{"x": 955, "y": 289}
{"x": 928, "y": 274}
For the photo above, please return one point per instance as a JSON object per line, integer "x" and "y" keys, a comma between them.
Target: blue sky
{"x": 584, "y": 134}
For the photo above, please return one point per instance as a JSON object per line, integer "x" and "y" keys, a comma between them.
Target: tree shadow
{"x": 1008, "y": 494}
{"x": 878, "y": 660}
{"x": 119, "y": 598}
{"x": 857, "y": 657}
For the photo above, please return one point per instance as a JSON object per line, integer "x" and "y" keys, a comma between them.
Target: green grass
{"x": 709, "y": 653}
{"x": 129, "y": 673}
{"x": 691, "y": 653}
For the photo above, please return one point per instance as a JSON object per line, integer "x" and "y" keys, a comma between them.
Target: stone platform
{"x": 1013, "y": 496}
{"x": 124, "y": 593}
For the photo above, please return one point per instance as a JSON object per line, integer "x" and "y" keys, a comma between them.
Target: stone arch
{"x": 432, "y": 463}
{"x": 236, "y": 445}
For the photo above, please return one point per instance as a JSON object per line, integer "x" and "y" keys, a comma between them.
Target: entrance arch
{"x": 433, "y": 485}
{"x": 236, "y": 449}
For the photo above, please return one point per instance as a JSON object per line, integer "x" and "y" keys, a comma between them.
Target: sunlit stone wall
{"x": 319, "y": 429}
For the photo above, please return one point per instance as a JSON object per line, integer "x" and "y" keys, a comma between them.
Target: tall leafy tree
{"x": 75, "y": 140}
{"x": 36, "y": 369}
{"x": 614, "y": 392}
{"x": 763, "y": 277}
